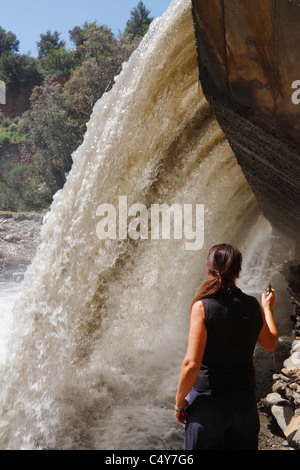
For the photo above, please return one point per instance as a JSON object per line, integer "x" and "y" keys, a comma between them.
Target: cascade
{"x": 100, "y": 327}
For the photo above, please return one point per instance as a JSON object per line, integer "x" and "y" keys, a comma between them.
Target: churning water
{"x": 9, "y": 293}
{"x": 100, "y": 328}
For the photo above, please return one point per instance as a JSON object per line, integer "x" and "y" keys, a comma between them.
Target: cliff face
{"x": 248, "y": 57}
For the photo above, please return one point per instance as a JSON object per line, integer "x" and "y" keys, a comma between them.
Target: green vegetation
{"x": 8, "y": 42}
{"x": 53, "y": 96}
{"x": 139, "y": 21}
{"x": 13, "y": 131}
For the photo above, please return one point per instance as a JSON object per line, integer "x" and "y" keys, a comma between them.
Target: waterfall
{"x": 100, "y": 328}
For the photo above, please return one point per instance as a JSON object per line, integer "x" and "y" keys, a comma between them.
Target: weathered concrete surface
{"x": 248, "y": 56}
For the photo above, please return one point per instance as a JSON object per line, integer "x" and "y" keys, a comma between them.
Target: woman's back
{"x": 233, "y": 323}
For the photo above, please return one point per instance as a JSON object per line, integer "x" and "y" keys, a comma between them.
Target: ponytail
{"x": 223, "y": 264}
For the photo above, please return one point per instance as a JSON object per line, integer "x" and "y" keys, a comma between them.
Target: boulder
{"x": 292, "y": 432}
{"x": 293, "y": 362}
{"x": 283, "y": 415}
{"x": 276, "y": 399}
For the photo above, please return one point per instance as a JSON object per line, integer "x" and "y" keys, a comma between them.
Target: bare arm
{"x": 268, "y": 336}
{"x": 193, "y": 358}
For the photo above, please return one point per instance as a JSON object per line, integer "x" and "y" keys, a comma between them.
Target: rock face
{"x": 19, "y": 239}
{"x": 248, "y": 61}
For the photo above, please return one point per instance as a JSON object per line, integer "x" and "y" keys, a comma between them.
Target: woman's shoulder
{"x": 237, "y": 294}
{"x": 198, "y": 305}
{"x": 250, "y": 301}
{"x": 197, "y": 310}
{"x": 249, "y": 297}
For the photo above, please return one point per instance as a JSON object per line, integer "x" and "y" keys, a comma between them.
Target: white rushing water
{"x": 9, "y": 293}
{"x": 100, "y": 329}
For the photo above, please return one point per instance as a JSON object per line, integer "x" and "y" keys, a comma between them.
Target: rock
{"x": 17, "y": 277}
{"x": 276, "y": 399}
{"x": 12, "y": 238}
{"x": 283, "y": 415}
{"x": 295, "y": 346}
{"x": 293, "y": 362}
{"x": 292, "y": 432}
{"x": 281, "y": 377}
{"x": 280, "y": 386}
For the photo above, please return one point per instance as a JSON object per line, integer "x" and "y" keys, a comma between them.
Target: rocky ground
{"x": 19, "y": 239}
{"x": 271, "y": 436}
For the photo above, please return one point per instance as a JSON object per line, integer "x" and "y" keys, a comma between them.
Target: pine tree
{"x": 49, "y": 42}
{"x": 8, "y": 42}
{"x": 139, "y": 21}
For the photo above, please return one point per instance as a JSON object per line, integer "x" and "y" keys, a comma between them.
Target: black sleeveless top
{"x": 233, "y": 323}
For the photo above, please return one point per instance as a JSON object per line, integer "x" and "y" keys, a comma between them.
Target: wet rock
{"x": 283, "y": 415}
{"x": 12, "y": 238}
{"x": 17, "y": 277}
{"x": 292, "y": 432}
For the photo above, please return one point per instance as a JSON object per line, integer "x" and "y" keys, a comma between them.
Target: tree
{"x": 102, "y": 56}
{"x": 53, "y": 56}
{"x": 8, "y": 42}
{"x": 49, "y": 42}
{"x": 18, "y": 68}
{"x": 76, "y": 34}
{"x": 54, "y": 133}
{"x": 58, "y": 62}
{"x": 21, "y": 74}
{"x": 19, "y": 188}
{"x": 99, "y": 43}
{"x": 139, "y": 22}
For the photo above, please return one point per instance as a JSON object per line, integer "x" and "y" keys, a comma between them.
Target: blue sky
{"x": 29, "y": 18}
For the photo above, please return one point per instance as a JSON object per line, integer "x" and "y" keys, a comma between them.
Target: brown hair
{"x": 224, "y": 264}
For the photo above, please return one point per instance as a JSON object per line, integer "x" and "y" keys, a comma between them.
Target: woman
{"x": 216, "y": 391}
